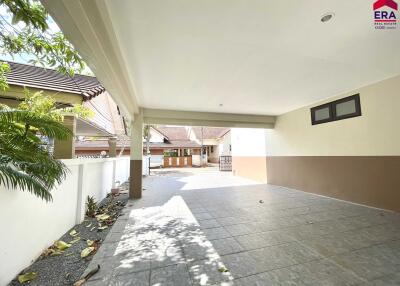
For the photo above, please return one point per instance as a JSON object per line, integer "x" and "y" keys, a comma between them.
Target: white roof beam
{"x": 174, "y": 117}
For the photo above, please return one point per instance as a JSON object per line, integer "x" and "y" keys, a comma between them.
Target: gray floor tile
{"x": 299, "y": 252}
{"x": 238, "y": 229}
{"x": 367, "y": 263}
{"x": 198, "y": 251}
{"x": 175, "y": 275}
{"x": 325, "y": 272}
{"x": 137, "y": 279}
{"x": 168, "y": 255}
{"x": 202, "y": 216}
{"x": 272, "y": 257}
{"x": 292, "y": 238}
{"x": 241, "y": 264}
{"x": 208, "y": 272}
{"x": 209, "y": 223}
{"x": 216, "y": 233}
{"x": 226, "y": 246}
{"x": 283, "y": 276}
{"x": 251, "y": 241}
{"x": 329, "y": 245}
{"x": 389, "y": 280}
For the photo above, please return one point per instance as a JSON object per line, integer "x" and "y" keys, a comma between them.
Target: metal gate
{"x": 225, "y": 163}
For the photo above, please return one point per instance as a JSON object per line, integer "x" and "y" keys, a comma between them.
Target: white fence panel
{"x": 29, "y": 225}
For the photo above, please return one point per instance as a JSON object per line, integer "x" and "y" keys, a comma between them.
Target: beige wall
{"x": 105, "y": 113}
{"x": 62, "y": 97}
{"x": 356, "y": 159}
{"x": 376, "y": 132}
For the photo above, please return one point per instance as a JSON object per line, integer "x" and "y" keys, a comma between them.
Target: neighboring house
{"x": 187, "y": 141}
{"x": 171, "y": 146}
{"x": 216, "y": 141}
{"x": 67, "y": 91}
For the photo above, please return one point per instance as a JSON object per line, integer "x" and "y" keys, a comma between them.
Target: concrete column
{"x": 135, "y": 182}
{"x": 65, "y": 149}
{"x": 112, "y": 147}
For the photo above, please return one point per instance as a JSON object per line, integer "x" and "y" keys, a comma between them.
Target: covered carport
{"x": 318, "y": 79}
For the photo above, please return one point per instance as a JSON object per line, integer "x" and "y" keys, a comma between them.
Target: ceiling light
{"x": 326, "y": 17}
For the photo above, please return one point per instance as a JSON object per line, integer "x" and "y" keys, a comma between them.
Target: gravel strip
{"x": 67, "y": 268}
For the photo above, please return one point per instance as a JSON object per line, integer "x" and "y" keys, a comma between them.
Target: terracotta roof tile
{"x": 210, "y": 132}
{"x": 174, "y": 133}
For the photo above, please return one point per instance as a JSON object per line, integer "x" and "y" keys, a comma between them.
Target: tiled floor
{"x": 193, "y": 224}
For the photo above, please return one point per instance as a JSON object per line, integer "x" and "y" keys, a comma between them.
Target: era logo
{"x": 385, "y": 13}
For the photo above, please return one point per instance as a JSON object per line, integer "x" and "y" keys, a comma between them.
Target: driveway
{"x": 204, "y": 227}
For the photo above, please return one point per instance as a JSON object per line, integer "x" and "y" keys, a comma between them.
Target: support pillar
{"x": 65, "y": 149}
{"x": 136, "y": 164}
{"x": 112, "y": 147}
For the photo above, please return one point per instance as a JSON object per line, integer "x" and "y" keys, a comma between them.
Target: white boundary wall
{"x": 29, "y": 225}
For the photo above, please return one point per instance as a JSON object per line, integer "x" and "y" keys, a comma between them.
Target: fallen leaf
{"x": 89, "y": 242}
{"x": 223, "y": 269}
{"x": 102, "y": 227}
{"x": 86, "y": 251}
{"x": 75, "y": 240}
{"x": 87, "y": 276}
{"x": 73, "y": 233}
{"x": 93, "y": 228}
{"x": 56, "y": 252}
{"x": 61, "y": 245}
{"x": 27, "y": 277}
{"x": 89, "y": 225}
{"x": 102, "y": 217}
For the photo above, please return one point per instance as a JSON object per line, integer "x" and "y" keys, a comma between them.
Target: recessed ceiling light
{"x": 326, "y": 17}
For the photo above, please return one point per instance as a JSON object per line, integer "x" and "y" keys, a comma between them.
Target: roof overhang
{"x": 87, "y": 128}
{"x": 87, "y": 26}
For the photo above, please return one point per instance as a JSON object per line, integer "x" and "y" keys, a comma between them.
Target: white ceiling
{"x": 253, "y": 56}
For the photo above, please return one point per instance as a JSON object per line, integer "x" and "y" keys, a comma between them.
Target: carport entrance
{"x": 199, "y": 226}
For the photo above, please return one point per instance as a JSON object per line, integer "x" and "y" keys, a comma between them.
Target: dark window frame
{"x": 357, "y": 101}
{"x": 332, "y": 110}
{"x": 316, "y": 108}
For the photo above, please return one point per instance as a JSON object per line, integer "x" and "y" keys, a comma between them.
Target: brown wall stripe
{"x": 369, "y": 180}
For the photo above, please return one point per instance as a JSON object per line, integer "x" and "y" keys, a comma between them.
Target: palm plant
{"x": 24, "y": 161}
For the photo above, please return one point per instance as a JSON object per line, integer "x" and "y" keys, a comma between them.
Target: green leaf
{"x": 75, "y": 240}
{"x": 102, "y": 217}
{"x": 61, "y": 245}
{"x": 73, "y": 233}
{"x": 27, "y": 277}
{"x": 87, "y": 251}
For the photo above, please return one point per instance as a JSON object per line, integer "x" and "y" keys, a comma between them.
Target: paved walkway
{"x": 192, "y": 224}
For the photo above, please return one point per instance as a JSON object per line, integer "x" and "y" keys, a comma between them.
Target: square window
{"x": 347, "y": 107}
{"x": 321, "y": 114}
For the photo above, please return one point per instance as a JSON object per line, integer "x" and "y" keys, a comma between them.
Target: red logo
{"x": 389, "y": 3}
